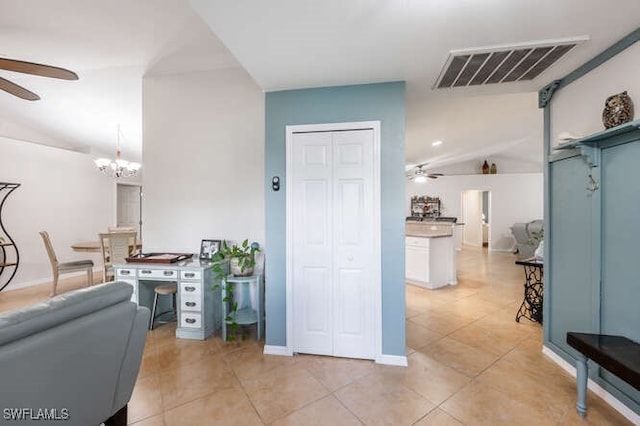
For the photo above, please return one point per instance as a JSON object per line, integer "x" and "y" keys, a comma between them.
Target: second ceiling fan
{"x": 33, "y": 69}
{"x": 420, "y": 175}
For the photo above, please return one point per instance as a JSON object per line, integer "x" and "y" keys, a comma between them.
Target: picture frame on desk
{"x": 208, "y": 248}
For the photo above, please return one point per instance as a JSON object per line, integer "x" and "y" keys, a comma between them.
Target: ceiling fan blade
{"x": 432, "y": 176}
{"x": 37, "y": 69}
{"x": 18, "y": 91}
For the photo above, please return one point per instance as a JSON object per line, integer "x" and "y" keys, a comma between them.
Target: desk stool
{"x": 163, "y": 290}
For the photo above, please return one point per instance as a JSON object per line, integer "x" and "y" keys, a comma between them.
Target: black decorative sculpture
{"x": 9, "y": 256}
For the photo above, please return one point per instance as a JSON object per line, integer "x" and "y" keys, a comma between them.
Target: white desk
{"x": 199, "y": 305}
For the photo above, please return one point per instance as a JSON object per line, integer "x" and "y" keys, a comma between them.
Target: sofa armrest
{"x": 132, "y": 359}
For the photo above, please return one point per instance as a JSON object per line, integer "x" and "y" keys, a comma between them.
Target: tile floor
{"x": 470, "y": 363}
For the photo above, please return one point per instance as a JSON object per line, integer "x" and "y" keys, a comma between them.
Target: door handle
{"x": 350, "y": 258}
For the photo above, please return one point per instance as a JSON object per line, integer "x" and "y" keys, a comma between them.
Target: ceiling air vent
{"x": 502, "y": 64}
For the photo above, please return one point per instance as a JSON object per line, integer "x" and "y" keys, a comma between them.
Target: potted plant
{"x": 242, "y": 257}
{"x": 241, "y": 263}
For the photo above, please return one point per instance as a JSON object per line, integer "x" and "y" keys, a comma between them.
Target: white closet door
{"x": 312, "y": 245}
{"x": 353, "y": 244}
{"x": 333, "y": 246}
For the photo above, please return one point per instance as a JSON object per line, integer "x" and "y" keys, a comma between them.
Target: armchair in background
{"x": 527, "y": 235}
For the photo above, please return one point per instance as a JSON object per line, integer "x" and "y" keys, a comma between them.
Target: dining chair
{"x": 60, "y": 268}
{"x": 116, "y": 247}
{"x": 107, "y": 270}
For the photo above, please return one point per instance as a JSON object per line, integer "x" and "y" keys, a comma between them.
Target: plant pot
{"x": 235, "y": 269}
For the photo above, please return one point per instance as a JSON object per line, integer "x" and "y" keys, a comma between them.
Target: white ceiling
{"x": 285, "y": 44}
{"x": 111, "y": 46}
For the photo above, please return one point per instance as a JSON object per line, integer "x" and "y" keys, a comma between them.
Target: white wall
{"x": 578, "y": 107}
{"x": 62, "y": 193}
{"x": 514, "y": 198}
{"x": 204, "y": 159}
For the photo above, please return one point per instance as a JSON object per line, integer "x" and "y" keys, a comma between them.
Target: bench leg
{"x": 581, "y": 383}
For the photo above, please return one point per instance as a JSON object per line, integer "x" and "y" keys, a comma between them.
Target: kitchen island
{"x": 430, "y": 254}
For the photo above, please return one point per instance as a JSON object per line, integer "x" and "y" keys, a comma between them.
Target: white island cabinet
{"x": 430, "y": 258}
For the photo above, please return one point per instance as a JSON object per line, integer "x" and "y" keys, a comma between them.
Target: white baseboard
{"x": 25, "y": 284}
{"x": 277, "y": 350}
{"x": 594, "y": 387}
{"x": 400, "y": 361}
{"x": 494, "y": 250}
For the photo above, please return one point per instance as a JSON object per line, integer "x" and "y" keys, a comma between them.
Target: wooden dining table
{"x": 94, "y": 246}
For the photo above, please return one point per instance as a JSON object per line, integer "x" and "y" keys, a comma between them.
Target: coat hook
{"x": 594, "y": 185}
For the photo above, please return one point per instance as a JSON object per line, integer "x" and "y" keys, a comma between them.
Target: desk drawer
{"x": 190, "y": 289}
{"x": 190, "y": 275}
{"x": 148, "y": 273}
{"x": 125, "y": 273}
{"x": 190, "y": 320}
{"x": 190, "y": 303}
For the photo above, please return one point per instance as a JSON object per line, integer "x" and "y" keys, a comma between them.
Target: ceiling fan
{"x": 420, "y": 175}
{"x": 34, "y": 69}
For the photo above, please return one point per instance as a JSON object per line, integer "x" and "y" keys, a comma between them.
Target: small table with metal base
{"x": 531, "y": 307}
{"x": 248, "y": 292}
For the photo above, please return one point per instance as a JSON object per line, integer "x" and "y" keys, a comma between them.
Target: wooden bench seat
{"x": 617, "y": 354}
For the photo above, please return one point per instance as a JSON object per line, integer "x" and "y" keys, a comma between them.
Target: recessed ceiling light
{"x": 436, "y": 143}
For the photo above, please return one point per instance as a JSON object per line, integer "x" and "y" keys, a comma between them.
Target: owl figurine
{"x": 618, "y": 109}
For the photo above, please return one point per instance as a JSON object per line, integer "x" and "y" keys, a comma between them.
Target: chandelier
{"x": 117, "y": 168}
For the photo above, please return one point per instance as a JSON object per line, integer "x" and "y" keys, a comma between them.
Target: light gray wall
{"x": 577, "y": 108}
{"x": 203, "y": 159}
{"x": 61, "y": 193}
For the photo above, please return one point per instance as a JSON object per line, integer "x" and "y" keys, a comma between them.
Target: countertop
{"x": 429, "y": 229}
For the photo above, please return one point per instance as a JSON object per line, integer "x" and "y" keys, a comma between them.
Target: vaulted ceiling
{"x": 286, "y": 44}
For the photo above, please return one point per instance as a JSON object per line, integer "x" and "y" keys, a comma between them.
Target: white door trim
{"x": 377, "y": 272}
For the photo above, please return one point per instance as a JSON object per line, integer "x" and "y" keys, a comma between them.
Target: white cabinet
{"x": 430, "y": 262}
{"x": 416, "y": 258}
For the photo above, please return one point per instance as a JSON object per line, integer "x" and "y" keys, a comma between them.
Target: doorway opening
{"x": 476, "y": 216}
{"x": 129, "y": 207}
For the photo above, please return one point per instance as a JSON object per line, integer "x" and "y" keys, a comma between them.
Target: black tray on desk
{"x": 158, "y": 257}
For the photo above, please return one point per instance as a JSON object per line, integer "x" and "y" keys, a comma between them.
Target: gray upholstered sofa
{"x": 73, "y": 359}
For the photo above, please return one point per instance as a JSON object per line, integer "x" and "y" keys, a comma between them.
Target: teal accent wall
{"x": 591, "y": 236}
{"x": 384, "y": 102}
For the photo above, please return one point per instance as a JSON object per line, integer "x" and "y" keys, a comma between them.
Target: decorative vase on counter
{"x": 494, "y": 168}
{"x": 485, "y": 168}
